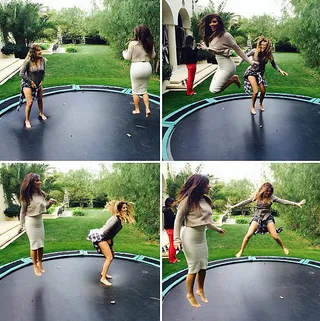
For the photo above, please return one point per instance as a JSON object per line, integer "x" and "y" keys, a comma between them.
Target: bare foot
{"x": 108, "y": 276}
{"x": 135, "y": 112}
{"x": 253, "y": 111}
{"x": 286, "y": 251}
{"x": 192, "y": 300}
{"x": 42, "y": 270}
{"x": 237, "y": 81}
{"x": 202, "y": 296}
{"x": 43, "y": 117}
{"x": 105, "y": 282}
{"x": 261, "y": 107}
{"x": 36, "y": 270}
{"x": 27, "y": 124}
{"x": 148, "y": 113}
{"x": 239, "y": 254}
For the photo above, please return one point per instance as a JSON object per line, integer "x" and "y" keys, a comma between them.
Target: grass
{"x": 93, "y": 64}
{"x": 70, "y": 233}
{"x": 301, "y": 81}
{"x": 227, "y": 246}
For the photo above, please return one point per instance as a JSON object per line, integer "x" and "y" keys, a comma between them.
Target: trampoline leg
{"x": 190, "y": 295}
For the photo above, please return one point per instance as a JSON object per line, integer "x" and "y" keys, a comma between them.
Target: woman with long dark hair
{"x": 263, "y": 221}
{"x": 33, "y": 205}
{"x": 254, "y": 75}
{"x": 220, "y": 42}
{"x": 195, "y": 209}
{"x": 102, "y": 238}
{"x": 32, "y": 74}
{"x": 169, "y": 218}
{"x": 140, "y": 52}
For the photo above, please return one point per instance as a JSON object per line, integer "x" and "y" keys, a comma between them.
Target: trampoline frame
{"x": 174, "y": 279}
{"x": 11, "y": 102}
{"x": 23, "y": 262}
{"x": 170, "y": 121}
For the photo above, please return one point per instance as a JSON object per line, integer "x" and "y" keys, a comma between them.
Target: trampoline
{"x": 70, "y": 289}
{"x": 84, "y": 123}
{"x": 249, "y": 289}
{"x": 223, "y": 128}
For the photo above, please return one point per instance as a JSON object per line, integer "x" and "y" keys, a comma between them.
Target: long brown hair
{"x": 205, "y": 30}
{"x": 27, "y": 188}
{"x": 143, "y": 34}
{"x": 259, "y": 195}
{"x": 267, "y": 53}
{"x": 115, "y": 206}
{"x": 193, "y": 188}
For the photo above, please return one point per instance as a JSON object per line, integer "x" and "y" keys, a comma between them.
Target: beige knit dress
{"x": 140, "y": 70}
{"x": 31, "y": 217}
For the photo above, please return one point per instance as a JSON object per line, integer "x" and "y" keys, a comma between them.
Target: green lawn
{"x": 301, "y": 81}
{"x": 93, "y": 64}
{"x": 227, "y": 246}
{"x": 64, "y": 234}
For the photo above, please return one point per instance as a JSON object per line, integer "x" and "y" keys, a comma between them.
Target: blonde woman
{"x": 195, "y": 209}
{"x": 33, "y": 205}
{"x": 254, "y": 75}
{"x": 262, "y": 221}
{"x": 140, "y": 51}
{"x": 102, "y": 238}
{"x": 32, "y": 74}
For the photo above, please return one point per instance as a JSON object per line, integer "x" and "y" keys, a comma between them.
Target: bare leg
{"x": 253, "y": 227}
{"x": 28, "y": 94}
{"x": 146, "y": 103}
{"x": 136, "y": 101}
{"x": 274, "y": 234}
{"x": 190, "y": 296}
{"x": 201, "y": 275}
{"x": 262, "y": 95}
{"x": 39, "y": 259}
{"x": 105, "y": 249}
{"x": 40, "y": 104}
{"x": 254, "y": 85}
{"x": 33, "y": 254}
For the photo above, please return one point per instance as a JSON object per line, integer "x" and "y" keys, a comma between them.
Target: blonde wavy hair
{"x": 267, "y": 53}
{"x": 259, "y": 194}
{"x": 114, "y": 207}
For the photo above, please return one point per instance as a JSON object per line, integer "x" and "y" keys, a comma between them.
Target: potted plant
{"x": 12, "y": 212}
{"x": 7, "y": 50}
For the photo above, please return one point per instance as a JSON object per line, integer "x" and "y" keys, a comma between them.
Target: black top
{"x": 190, "y": 55}
{"x": 169, "y": 218}
{"x": 262, "y": 62}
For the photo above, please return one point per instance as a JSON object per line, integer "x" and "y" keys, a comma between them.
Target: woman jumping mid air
{"x": 262, "y": 221}
{"x": 254, "y": 75}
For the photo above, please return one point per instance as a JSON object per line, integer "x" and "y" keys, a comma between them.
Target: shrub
{"x": 242, "y": 220}
{"x": 71, "y": 49}
{"x": 8, "y": 49}
{"x": 166, "y": 71}
{"x": 216, "y": 218}
{"x": 44, "y": 46}
{"x": 12, "y": 211}
{"x": 51, "y": 209}
{"x": 77, "y": 212}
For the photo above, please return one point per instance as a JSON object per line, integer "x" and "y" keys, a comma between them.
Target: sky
{"x": 58, "y": 4}
{"x": 227, "y": 171}
{"x": 249, "y": 8}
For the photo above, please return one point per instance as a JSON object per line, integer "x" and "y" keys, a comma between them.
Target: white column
{"x": 172, "y": 46}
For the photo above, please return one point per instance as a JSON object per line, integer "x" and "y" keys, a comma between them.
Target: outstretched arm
{"x": 286, "y": 202}
{"x": 243, "y": 203}
{"x": 276, "y": 67}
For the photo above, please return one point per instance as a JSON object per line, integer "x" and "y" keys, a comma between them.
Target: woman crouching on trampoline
{"x": 32, "y": 74}
{"x": 195, "y": 209}
{"x": 254, "y": 75}
{"x": 262, "y": 221}
{"x": 102, "y": 239}
{"x": 33, "y": 205}
{"x": 140, "y": 52}
{"x": 220, "y": 42}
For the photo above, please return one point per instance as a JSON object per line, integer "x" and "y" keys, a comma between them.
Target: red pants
{"x": 172, "y": 250}
{"x": 192, "y": 68}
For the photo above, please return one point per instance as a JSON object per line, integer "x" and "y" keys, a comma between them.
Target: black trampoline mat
{"x": 251, "y": 291}
{"x": 286, "y": 130}
{"x": 70, "y": 290}
{"x": 82, "y": 126}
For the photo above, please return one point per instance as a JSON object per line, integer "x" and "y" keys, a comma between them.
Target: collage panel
{"x": 79, "y": 80}
{"x": 240, "y": 241}
{"x": 79, "y": 241}
{"x": 241, "y": 81}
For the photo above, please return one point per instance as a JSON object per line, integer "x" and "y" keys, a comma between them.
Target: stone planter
{"x": 3, "y": 56}
{"x": 165, "y": 83}
{"x": 11, "y": 219}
